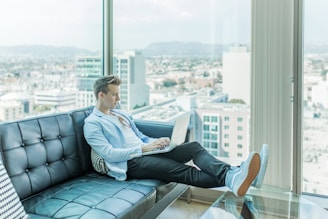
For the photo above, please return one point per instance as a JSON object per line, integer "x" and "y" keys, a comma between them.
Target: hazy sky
{"x": 51, "y": 22}
{"x": 207, "y": 21}
{"x": 137, "y": 23}
{"x": 315, "y": 21}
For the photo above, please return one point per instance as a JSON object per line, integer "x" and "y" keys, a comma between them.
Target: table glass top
{"x": 268, "y": 203}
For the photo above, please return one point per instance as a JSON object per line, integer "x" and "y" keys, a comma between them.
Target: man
{"x": 115, "y": 138}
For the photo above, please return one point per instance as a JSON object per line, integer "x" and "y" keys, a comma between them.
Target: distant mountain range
{"x": 315, "y": 48}
{"x": 184, "y": 49}
{"x": 191, "y": 49}
{"x": 180, "y": 49}
{"x": 173, "y": 49}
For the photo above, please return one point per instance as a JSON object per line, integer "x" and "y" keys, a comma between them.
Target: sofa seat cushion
{"x": 92, "y": 196}
{"x": 162, "y": 188}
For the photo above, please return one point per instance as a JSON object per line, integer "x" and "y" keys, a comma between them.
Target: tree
{"x": 206, "y": 74}
{"x": 169, "y": 83}
{"x": 240, "y": 101}
{"x": 139, "y": 106}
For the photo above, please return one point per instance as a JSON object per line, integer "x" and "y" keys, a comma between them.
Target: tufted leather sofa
{"x": 48, "y": 162}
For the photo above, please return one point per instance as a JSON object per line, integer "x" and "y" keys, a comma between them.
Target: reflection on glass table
{"x": 262, "y": 204}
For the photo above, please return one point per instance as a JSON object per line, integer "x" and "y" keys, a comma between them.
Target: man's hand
{"x": 157, "y": 144}
{"x": 164, "y": 141}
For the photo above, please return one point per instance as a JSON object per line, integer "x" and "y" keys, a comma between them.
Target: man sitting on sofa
{"x": 115, "y": 138}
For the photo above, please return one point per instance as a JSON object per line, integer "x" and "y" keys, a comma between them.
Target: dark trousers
{"x": 171, "y": 167}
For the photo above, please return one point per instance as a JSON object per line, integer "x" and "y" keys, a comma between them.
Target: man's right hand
{"x": 157, "y": 144}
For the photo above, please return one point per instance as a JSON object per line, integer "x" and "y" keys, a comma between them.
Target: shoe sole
{"x": 253, "y": 170}
{"x": 260, "y": 177}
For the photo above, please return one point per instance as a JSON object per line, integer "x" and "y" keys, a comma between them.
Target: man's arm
{"x": 94, "y": 135}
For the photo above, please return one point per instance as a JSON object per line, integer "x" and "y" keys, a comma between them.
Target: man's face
{"x": 111, "y": 98}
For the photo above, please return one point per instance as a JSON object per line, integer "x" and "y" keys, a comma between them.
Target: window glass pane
{"x": 214, "y": 118}
{"x": 206, "y": 136}
{"x": 50, "y": 53}
{"x": 214, "y": 145}
{"x": 214, "y": 128}
{"x": 187, "y": 55}
{"x": 315, "y": 96}
{"x": 214, "y": 137}
{"x": 206, "y": 144}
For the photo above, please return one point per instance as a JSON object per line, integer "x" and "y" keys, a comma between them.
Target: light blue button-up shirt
{"x": 104, "y": 134}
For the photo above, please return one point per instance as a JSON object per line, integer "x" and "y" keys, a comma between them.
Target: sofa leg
{"x": 188, "y": 195}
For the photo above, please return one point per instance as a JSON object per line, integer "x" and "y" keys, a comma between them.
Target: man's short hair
{"x": 101, "y": 84}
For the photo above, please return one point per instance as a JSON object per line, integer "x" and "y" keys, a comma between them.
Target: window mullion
{"x": 271, "y": 89}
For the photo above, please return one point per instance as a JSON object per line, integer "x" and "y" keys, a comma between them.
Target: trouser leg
{"x": 171, "y": 167}
{"x": 201, "y": 158}
{"x": 165, "y": 169}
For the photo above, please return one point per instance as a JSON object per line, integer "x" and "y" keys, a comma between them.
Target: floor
{"x": 181, "y": 209}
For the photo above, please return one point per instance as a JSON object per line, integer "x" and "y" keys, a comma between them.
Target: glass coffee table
{"x": 264, "y": 203}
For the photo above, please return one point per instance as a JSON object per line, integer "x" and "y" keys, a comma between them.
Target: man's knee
{"x": 196, "y": 145}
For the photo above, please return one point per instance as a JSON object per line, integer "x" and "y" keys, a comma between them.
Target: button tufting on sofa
{"x": 55, "y": 178}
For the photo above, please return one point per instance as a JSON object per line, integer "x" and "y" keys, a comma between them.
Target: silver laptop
{"x": 178, "y": 135}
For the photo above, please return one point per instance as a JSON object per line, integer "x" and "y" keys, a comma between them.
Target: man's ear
{"x": 100, "y": 94}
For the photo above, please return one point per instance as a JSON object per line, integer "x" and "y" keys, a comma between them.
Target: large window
{"x": 173, "y": 56}
{"x": 187, "y": 55}
{"x": 50, "y": 53}
{"x": 315, "y": 96}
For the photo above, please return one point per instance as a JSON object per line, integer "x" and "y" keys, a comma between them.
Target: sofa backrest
{"x": 78, "y": 117}
{"x": 44, "y": 151}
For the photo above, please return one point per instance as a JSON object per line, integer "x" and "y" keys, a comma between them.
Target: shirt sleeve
{"x": 94, "y": 135}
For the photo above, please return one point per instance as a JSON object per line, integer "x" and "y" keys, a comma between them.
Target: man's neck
{"x": 103, "y": 109}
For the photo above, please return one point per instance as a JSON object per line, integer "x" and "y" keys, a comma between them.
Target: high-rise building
{"x": 59, "y": 100}
{"x": 236, "y": 71}
{"x": 15, "y": 105}
{"x": 223, "y": 129}
{"x": 88, "y": 69}
{"x": 320, "y": 94}
{"x": 11, "y": 110}
{"x": 130, "y": 67}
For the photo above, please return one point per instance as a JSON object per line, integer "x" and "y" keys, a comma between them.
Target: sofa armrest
{"x": 154, "y": 129}
{"x": 157, "y": 129}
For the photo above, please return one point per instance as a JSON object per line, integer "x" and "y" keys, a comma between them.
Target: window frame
{"x": 298, "y": 97}
{"x": 297, "y": 77}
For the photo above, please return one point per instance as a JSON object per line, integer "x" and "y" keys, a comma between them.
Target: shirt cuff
{"x": 137, "y": 152}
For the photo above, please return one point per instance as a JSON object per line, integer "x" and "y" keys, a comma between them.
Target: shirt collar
{"x": 98, "y": 112}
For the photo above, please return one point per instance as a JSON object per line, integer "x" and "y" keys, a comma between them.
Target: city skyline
{"x": 315, "y": 157}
